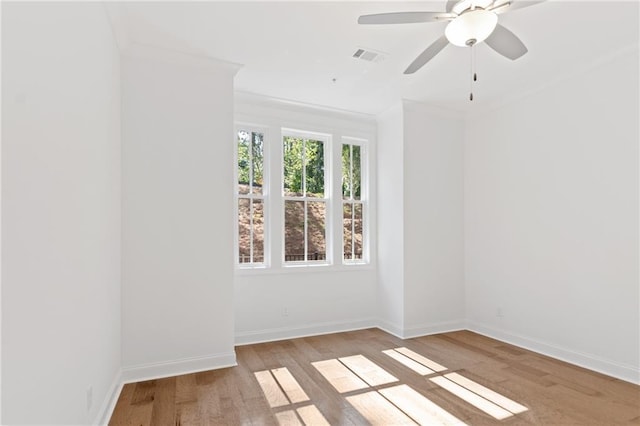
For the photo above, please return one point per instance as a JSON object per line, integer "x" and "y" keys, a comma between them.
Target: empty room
{"x": 320, "y": 213}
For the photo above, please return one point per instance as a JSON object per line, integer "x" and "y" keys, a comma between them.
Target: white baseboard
{"x": 274, "y": 334}
{"x": 109, "y": 403}
{"x": 420, "y": 330}
{"x": 428, "y": 329}
{"x": 628, "y": 373}
{"x": 391, "y": 328}
{"x": 139, "y": 373}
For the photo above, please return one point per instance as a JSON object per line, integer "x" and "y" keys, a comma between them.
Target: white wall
{"x": 284, "y": 302}
{"x": 421, "y": 280}
{"x": 433, "y": 220}
{"x": 391, "y": 220}
{"x": 177, "y": 209}
{"x": 60, "y": 212}
{"x": 551, "y": 219}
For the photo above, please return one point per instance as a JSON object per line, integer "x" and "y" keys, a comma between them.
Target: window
{"x": 352, "y": 203}
{"x": 304, "y": 198}
{"x": 251, "y": 197}
{"x": 301, "y": 198}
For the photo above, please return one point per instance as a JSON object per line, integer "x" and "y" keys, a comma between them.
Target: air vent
{"x": 368, "y": 55}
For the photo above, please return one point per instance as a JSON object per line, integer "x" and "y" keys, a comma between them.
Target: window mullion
{"x": 306, "y": 225}
{"x": 351, "y": 172}
{"x": 251, "y": 258}
{"x": 353, "y": 231}
{"x": 251, "y": 163}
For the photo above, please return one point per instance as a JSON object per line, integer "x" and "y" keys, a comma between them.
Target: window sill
{"x": 303, "y": 269}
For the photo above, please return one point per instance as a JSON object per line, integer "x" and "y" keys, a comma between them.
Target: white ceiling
{"x": 294, "y": 50}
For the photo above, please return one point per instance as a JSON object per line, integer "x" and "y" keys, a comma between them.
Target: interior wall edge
{"x": 284, "y": 333}
{"x": 111, "y": 398}
{"x": 393, "y": 329}
{"x": 175, "y": 57}
{"x": 138, "y": 373}
{"x": 628, "y": 373}
{"x": 434, "y": 328}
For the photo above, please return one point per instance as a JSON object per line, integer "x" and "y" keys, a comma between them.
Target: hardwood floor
{"x": 347, "y": 379}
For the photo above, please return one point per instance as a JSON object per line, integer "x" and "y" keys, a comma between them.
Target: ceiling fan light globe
{"x": 475, "y": 25}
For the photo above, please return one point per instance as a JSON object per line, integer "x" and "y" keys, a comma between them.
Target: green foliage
{"x": 351, "y": 171}
{"x": 303, "y": 155}
{"x": 250, "y": 158}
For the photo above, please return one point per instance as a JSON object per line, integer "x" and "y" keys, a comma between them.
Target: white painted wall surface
{"x": 433, "y": 220}
{"x": 315, "y": 303}
{"x": 391, "y": 263}
{"x": 60, "y": 212}
{"x": 177, "y": 305}
{"x": 551, "y": 220}
{"x": 284, "y": 302}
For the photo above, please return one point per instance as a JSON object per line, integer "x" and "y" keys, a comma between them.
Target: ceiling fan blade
{"x": 404, "y": 18}
{"x": 427, "y": 55}
{"x": 511, "y": 5}
{"x": 506, "y": 43}
{"x": 450, "y": 4}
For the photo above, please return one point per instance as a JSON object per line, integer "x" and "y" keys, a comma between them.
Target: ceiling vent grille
{"x": 368, "y": 55}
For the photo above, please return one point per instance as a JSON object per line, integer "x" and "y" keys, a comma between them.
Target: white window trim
{"x": 326, "y": 139}
{"x": 273, "y": 116}
{"x": 364, "y": 199}
{"x": 264, "y": 197}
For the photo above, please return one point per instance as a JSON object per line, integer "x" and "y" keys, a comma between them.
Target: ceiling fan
{"x": 470, "y": 22}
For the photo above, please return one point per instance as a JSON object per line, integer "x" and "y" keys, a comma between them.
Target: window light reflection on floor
{"x": 395, "y": 405}
{"x": 421, "y": 359}
{"x": 408, "y": 362}
{"x": 270, "y": 388}
{"x": 378, "y": 410}
{"x": 290, "y": 385}
{"x": 486, "y": 393}
{"x": 311, "y": 416}
{"x": 340, "y": 377}
{"x": 288, "y": 418}
{"x": 474, "y": 399}
{"x": 492, "y": 403}
{"x": 418, "y": 407}
{"x": 367, "y": 370}
{"x": 373, "y": 393}
{"x": 282, "y": 390}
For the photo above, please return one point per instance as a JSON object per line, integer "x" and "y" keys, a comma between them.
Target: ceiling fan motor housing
{"x": 471, "y": 27}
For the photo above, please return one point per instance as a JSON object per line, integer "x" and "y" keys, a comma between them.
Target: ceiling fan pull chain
{"x": 473, "y": 74}
{"x": 475, "y": 66}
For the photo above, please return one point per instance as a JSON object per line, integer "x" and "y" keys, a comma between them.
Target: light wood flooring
{"x": 347, "y": 379}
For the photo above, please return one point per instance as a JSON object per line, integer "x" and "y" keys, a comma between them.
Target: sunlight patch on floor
{"x": 308, "y": 415}
{"x": 486, "y": 393}
{"x": 270, "y": 388}
{"x": 289, "y": 385}
{"x": 282, "y": 389}
{"x": 288, "y": 418}
{"x": 422, "y": 360}
{"x": 474, "y": 399}
{"x": 378, "y": 410}
{"x": 368, "y": 371}
{"x": 400, "y": 404}
{"x": 394, "y": 405}
{"x": 340, "y": 377}
{"x": 418, "y": 407}
{"x": 408, "y": 362}
{"x": 312, "y": 416}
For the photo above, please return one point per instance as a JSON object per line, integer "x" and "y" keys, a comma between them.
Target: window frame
{"x": 265, "y": 197}
{"x": 272, "y": 117}
{"x": 363, "y": 201}
{"x": 327, "y": 141}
